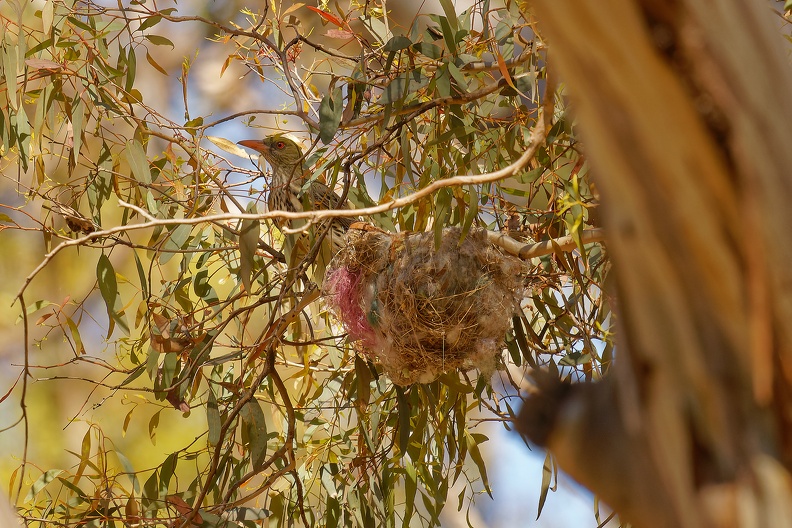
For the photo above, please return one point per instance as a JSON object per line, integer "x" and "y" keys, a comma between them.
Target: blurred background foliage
{"x": 146, "y": 384}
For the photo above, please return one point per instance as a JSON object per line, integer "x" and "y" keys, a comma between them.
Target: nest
{"x": 420, "y": 310}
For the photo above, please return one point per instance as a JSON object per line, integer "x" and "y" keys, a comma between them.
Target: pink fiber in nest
{"x": 344, "y": 286}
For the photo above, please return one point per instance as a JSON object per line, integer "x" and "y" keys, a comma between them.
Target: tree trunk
{"x": 686, "y": 113}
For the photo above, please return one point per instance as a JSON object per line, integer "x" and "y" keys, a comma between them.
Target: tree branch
{"x": 546, "y": 247}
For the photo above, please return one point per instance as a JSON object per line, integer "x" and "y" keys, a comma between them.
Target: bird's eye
{"x": 280, "y": 145}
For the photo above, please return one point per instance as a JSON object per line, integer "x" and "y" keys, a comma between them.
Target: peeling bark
{"x": 685, "y": 112}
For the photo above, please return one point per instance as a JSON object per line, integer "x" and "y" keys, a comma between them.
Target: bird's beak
{"x": 255, "y": 144}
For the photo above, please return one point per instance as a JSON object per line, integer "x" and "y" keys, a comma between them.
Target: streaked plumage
{"x": 289, "y": 176}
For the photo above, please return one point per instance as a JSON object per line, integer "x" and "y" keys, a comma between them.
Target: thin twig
{"x": 537, "y": 139}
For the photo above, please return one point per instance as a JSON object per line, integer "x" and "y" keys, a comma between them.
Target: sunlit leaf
{"x": 228, "y": 146}
{"x": 41, "y": 482}
{"x": 136, "y": 158}
{"x": 329, "y": 17}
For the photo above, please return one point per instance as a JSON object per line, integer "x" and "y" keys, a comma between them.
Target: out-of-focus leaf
{"x": 75, "y": 333}
{"x": 228, "y": 146}
{"x": 249, "y": 231}
{"x": 213, "y": 419}
{"x": 256, "y": 428}
{"x": 78, "y": 114}
{"x": 155, "y": 64}
{"x": 43, "y": 64}
{"x": 342, "y": 34}
{"x": 330, "y": 110}
{"x": 410, "y": 489}
{"x": 10, "y": 70}
{"x": 183, "y": 508}
{"x": 246, "y": 514}
{"x": 35, "y": 307}
{"x": 41, "y": 482}
{"x": 403, "y": 408}
{"x": 150, "y": 22}
{"x": 47, "y": 13}
{"x": 136, "y": 158}
{"x": 547, "y": 475}
{"x": 177, "y": 239}
{"x": 167, "y": 470}
{"x": 329, "y": 17}
{"x": 159, "y": 40}
{"x": 363, "y": 380}
{"x": 131, "y": 61}
{"x": 108, "y": 287}
{"x": 433, "y": 51}
{"x": 153, "y": 425}
{"x": 85, "y": 455}
{"x": 291, "y": 9}
{"x": 473, "y": 441}
{"x": 397, "y": 43}
{"x": 450, "y": 13}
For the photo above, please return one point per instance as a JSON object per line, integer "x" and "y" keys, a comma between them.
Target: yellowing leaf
{"x": 228, "y": 146}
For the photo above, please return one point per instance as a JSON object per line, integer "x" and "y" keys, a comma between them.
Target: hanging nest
{"x": 419, "y": 310}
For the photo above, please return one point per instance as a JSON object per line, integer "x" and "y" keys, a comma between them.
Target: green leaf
{"x": 136, "y": 158}
{"x": 150, "y": 22}
{"x": 395, "y": 90}
{"x": 80, "y": 24}
{"x": 450, "y": 13}
{"x": 159, "y": 40}
{"x": 166, "y": 472}
{"x": 33, "y": 308}
{"x": 547, "y": 475}
{"x": 241, "y": 514}
{"x": 108, "y": 287}
{"x": 203, "y": 288}
{"x": 363, "y": 380}
{"x": 41, "y": 482}
{"x": 129, "y": 470}
{"x": 141, "y": 276}
{"x": 472, "y": 442}
{"x": 443, "y": 81}
{"x": 255, "y": 425}
{"x": 442, "y": 212}
{"x": 213, "y": 419}
{"x": 249, "y": 232}
{"x": 177, "y": 239}
{"x": 330, "y": 110}
{"x": 77, "y": 117}
{"x": 131, "y": 60}
{"x": 10, "y": 70}
{"x": 75, "y": 333}
{"x": 397, "y": 43}
{"x": 433, "y": 51}
{"x": 152, "y": 427}
{"x": 410, "y": 489}
{"x": 403, "y": 407}
{"x": 169, "y": 365}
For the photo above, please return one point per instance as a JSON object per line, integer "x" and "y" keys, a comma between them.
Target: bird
{"x": 288, "y": 192}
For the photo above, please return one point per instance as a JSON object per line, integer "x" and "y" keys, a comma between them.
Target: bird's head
{"x": 279, "y": 150}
